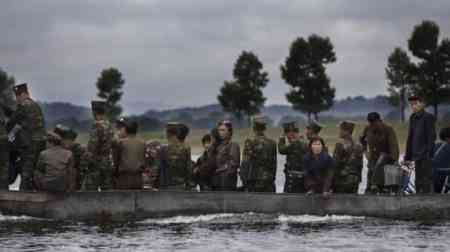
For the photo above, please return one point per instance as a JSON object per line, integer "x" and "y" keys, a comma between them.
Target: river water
{"x": 226, "y": 232}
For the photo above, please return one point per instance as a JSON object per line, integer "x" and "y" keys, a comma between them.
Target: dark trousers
{"x": 260, "y": 186}
{"x": 28, "y": 157}
{"x": 4, "y": 164}
{"x": 224, "y": 182}
{"x": 424, "y": 176}
{"x": 294, "y": 184}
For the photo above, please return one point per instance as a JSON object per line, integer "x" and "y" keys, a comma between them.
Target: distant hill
{"x": 206, "y": 116}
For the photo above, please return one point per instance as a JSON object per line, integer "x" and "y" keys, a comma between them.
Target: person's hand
{"x": 326, "y": 194}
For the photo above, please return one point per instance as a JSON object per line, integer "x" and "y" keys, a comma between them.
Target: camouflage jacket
{"x": 175, "y": 165}
{"x": 294, "y": 152}
{"x": 80, "y": 160}
{"x": 381, "y": 140}
{"x": 100, "y": 141}
{"x": 259, "y": 160}
{"x": 227, "y": 157}
{"x": 348, "y": 157}
{"x": 30, "y": 118}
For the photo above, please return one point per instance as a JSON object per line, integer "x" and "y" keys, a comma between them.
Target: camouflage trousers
{"x": 260, "y": 186}
{"x": 99, "y": 175}
{"x": 4, "y": 164}
{"x": 346, "y": 184}
{"x": 294, "y": 183}
{"x": 28, "y": 157}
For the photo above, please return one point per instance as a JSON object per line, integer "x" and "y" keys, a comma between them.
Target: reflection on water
{"x": 230, "y": 232}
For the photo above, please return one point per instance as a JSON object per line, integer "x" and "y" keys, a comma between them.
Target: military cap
{"x": 373, "y": 117}
{"x": 61, "y": 130}
{"x": 314, "y": 126}
{"x": 415, "y": 97}
{"x": 259, "y": 122}
{"x": 98, "y": 106}
{"x": 347, "y": 126}
{"x": 173, "y": 128}
{"x": 21, "y": 88}
{"x": 290, "y": 126}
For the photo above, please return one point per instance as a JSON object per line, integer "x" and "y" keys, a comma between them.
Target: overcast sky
{"x": 178, "y": 53}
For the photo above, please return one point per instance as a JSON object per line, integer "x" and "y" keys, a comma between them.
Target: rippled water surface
{"x": 226, "y": 232}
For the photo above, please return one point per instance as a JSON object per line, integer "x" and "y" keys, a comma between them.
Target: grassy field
{"x": 329, "y": 133}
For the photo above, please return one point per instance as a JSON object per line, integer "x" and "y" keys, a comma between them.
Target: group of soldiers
{"x": 116, "y": 158}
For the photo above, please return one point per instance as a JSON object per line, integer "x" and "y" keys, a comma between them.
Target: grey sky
{"x": 178, "y": 53}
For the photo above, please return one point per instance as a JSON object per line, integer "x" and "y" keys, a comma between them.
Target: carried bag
{"x": 393, "y": 175}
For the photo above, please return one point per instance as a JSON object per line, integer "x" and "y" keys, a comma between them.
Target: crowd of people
{"x": 117, "y": 158}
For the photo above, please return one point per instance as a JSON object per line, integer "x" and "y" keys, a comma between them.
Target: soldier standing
{"x": 227, "y": 157}
{"x": 100, "y": 172}
{"x": 259, "y": 161}
{"x": 348, "y": 157}
{"x": 202, "y": 167}
{"x": 420, "y": 143}
{"x": 175, "y": 171}
{"x": 27, "y": 134}
{"x": 295, "y": 150}
{"x": 129, "y": 156}
{"x": 54, "y": 169}
{"x": 382, "y": 149}
{"x": 4, "y": 153}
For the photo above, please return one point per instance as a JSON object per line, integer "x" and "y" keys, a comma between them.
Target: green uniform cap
{"x": 347, "y": 126}
{"x": 290, "y": 126}
{"x": 315, "y": 127}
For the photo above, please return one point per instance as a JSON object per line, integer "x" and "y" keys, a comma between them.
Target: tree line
{"x": 304, "y": 71}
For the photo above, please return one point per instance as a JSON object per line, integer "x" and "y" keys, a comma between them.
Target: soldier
{"x": 175, "y": 169}
{"x": 259, "y": 161}
{"x": 100, "y": 172}
{"x": 27, "y": 134}
{"x": 129, "y": 156}
{"x": 227, "y": 157}
{"x": 4, "y": 153}
{"x": 312, "y": 130}
{"x": 150, "y": 176}
{"x": 349, "y": 160}
{"x": 54, "y": 170}
{"x": 295, "y": 150}
{"x": 382, "y": 149}
{"x": 202, "y": 168}
{"x": 79, "y": 153}
{"x": 420, "y": 143}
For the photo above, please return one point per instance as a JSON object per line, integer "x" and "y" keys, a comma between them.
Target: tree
{"x": 7, "y": 83}
{"x": 432, "y": 72}
{"x": 109, "y": 86}
{"x": 304, "y": 70}
{"x": 398, "y": 73}
{"x": 243, "y": 95}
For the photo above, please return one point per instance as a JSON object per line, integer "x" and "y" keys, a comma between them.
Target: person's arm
{"x": 408, "y": 151}
{"x": 274, "y": 159}
{"x": 430, "y": 128}
{"x": 283, "y": 147}
{"x": 235, "y": 160}
{"x": 330, "y": 167}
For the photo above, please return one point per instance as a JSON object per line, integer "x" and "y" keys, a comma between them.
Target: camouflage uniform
{"x": 80, "y": 163}
{"x": 349, "y": 163}
{"x": 294, "y": 170}
{"x": 54, "y": 170}
{"x": 175, "y": 170}
{"x": 150, "y": 177}
{"x": 99, "y": 172}
{"x": 29, "y": 140}
{"x": 383, "y": 149}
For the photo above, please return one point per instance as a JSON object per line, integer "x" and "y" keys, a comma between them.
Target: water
{"x": 226, "y": 232}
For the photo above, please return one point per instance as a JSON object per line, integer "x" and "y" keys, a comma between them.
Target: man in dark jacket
{"x": 441, "y": 162}
{"x": 419, "y": 146}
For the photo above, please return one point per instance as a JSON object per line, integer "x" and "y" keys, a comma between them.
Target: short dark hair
{"x": 444, "y": 134}
{"x": 206, "y": 138}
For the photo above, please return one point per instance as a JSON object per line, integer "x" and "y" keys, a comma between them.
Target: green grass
{"x": 330, "y": 133}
